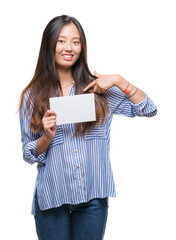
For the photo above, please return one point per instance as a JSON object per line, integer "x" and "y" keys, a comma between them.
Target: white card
{"x": 74, "y": 109}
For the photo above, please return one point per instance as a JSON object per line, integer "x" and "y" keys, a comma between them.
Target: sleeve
{"x": 28, "y": 138}
{"x": 119, "y": 103}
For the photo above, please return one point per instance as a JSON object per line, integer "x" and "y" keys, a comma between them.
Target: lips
{"x": 67, "y": 57}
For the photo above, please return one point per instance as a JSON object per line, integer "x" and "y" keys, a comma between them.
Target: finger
{"x": 95, "y": 89}
{"x": 49, "y": 112}
{"x": 90, "y": 85}
{"x": 49, "y": 122}
{"x": 49, "y": 126}
{"x": 96, "y": 74}
{"x": 49, "y": 118}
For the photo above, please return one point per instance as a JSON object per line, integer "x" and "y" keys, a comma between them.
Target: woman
{"x": 74, "y": 177}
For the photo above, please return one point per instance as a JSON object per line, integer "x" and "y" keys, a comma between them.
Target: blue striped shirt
{"x": 75, "y": 169}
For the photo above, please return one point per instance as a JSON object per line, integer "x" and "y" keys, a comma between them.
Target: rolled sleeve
{"x": 146, "y": 108}
{"x": 29, "y": 153}
{"x": 29, "y": 139}
{"x": 120, "y": 104}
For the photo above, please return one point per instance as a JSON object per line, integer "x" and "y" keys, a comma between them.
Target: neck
{"x": 65, "y": 76}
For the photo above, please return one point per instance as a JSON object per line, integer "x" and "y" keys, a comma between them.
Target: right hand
{"x": 49, "y": 124}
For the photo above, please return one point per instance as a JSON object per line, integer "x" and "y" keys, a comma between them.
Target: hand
{"x": 102, "y": 83}
{"x": 49, "y": 124}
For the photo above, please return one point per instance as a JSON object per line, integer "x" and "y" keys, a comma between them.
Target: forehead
{"x": 69, "y": 30}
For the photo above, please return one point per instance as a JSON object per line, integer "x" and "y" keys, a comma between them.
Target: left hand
{"x": 102, "y": 83}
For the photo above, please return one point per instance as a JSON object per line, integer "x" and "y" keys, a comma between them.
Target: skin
{"x": 104, "y": 82}
{"x": 68, "y": 49}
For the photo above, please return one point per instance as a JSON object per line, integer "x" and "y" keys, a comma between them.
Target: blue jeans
{"x": 84, "y": 221}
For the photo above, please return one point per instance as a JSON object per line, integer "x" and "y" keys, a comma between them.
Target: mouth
{"x": 67, "y": 57}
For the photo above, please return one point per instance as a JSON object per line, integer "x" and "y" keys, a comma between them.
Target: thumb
{"x": 96, "y": 74}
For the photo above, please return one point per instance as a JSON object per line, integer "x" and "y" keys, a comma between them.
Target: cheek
{"x": 78, "y": 52}
{"x": 58, "y": 54}
{"x": 58, "y": 49}
{"x": 77, "y": 56}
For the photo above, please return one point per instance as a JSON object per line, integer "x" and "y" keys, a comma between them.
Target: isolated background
{"x": 135, "y": 39}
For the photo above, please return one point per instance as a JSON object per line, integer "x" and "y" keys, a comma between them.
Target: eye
{"x": 60, "y": 41}
{"x": 76, "y": 42}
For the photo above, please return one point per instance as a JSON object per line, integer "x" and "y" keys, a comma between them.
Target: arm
{"x": 29, "y": 139}
{"x": 119, "y": 103}
{"x": 34, "y": 145}
{"x": 134, "y": 103}
{"x": 137, "y": 95}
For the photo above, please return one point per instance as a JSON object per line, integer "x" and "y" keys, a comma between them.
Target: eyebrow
{"x": 65, "y": 37}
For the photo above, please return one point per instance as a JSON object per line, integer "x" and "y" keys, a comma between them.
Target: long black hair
{"x": 45, "y": 82}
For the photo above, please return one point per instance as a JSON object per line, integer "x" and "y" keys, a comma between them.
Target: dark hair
{"x": 45, "y": 82}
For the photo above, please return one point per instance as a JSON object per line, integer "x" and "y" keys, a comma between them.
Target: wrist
{"x": 116, "y": 80}
{"x": 47, "y": 138}
{"x": 120, "y": 82}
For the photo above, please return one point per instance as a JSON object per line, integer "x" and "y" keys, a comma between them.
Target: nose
{"x": 68, "y": 46}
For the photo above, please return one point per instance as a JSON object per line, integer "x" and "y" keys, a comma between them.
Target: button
{"x": 73, "y": 136}
{"x": 78, "y": 167}
{"x": 75, "y": 151}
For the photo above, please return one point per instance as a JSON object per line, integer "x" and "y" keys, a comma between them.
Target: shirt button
{"x": 78, "y": 167}
{"x": 73, "y": 136}
{"x": 75, "y": 151}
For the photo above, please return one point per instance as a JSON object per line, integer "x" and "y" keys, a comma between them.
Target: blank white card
{"x": 74, "y": 109}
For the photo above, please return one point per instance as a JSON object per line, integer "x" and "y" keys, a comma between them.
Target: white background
{"x": 136, "y": 39}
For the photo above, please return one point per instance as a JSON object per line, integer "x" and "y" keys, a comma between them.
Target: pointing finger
{"x": 90, "y": 85}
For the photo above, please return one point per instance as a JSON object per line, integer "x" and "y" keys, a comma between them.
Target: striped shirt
{"x": 75, "y": 169}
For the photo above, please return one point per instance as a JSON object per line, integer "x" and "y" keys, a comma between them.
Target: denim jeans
{"x": 84, "y": 221}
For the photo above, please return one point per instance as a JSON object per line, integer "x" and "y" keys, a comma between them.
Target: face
{"x": 68, "y": 47}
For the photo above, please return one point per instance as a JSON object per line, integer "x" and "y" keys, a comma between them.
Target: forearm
{"x": 42, "y": 144}
{"x": 137, "y": 95}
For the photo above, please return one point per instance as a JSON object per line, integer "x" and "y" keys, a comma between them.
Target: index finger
{"x": 90, "y": 85}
